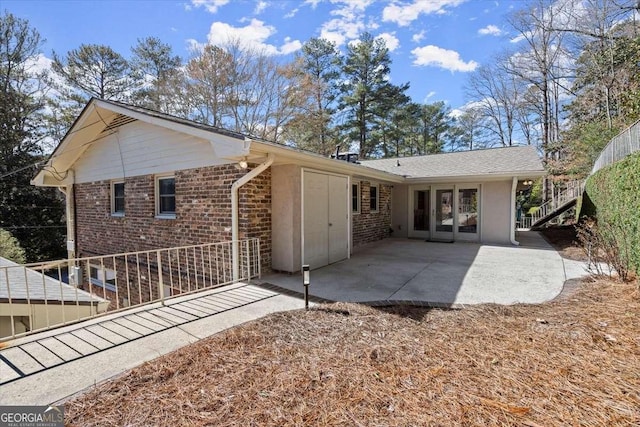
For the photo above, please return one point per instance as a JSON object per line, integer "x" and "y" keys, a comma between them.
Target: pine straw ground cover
{"x": 571, "y": 362}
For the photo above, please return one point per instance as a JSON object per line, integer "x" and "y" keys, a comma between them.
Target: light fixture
{"x": 527, "y": 183}
{"x": 305, "y": 283}
{"x": 243, "y": 163}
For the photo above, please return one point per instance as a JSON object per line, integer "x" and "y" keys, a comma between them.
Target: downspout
{"x": 70, "y": 213}
{"x": 512, "y": 221}
{"x": 234, "y": 210}
{"x": 69, "y": 197}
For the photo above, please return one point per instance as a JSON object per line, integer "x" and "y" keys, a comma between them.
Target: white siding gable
{"x": 140, "y": 149}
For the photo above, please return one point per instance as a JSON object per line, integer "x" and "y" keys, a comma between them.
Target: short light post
{"x": 305, "y": 282}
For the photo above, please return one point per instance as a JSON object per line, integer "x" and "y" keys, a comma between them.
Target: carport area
{"x": 442, "y": 274}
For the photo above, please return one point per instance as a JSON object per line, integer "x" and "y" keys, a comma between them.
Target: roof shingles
{"x": 40, "y": 287}
{"x": 495, "y": 161}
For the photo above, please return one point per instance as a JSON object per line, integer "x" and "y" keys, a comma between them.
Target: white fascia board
{"x": 291, "y": 155}
{"x": 70, "y": 148}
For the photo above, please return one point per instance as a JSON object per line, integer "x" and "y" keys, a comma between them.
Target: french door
{"x": 444, "y": 212}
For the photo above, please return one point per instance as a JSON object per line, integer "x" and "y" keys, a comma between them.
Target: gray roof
{"x": 493, "y": 161}
{"x": 39, "y": 285}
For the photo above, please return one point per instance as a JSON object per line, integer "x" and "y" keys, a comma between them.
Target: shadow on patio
{"x": 438, "y": 274}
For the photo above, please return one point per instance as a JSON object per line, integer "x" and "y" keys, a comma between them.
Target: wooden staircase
{"x": 565, "y": 200}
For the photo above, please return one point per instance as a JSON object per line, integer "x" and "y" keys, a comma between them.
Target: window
{"x": 166, "y": 197}
{"x": 373, "y": 198}
{"x": 103, "y": 277}
{"x": 355, "y": 198}
{"x": 117, "y": 198}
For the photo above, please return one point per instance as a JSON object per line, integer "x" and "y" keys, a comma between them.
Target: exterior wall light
{"x": 243, "y": 163}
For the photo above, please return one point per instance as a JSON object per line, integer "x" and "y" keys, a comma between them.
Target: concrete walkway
{"x": 442, "y": 274}
{"x": 50, "y": 366}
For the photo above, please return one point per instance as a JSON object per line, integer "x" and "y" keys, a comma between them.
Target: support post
{"x": 160, "y": 281}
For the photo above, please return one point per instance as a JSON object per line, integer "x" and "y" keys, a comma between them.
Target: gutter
{"x": 234, "y": 210}
{"x": 512, "y": 220}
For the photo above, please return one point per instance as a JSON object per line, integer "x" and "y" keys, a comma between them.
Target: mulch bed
{"x": 575, "y": 361}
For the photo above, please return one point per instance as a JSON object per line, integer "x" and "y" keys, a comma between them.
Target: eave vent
{"x": 119, "y": 120}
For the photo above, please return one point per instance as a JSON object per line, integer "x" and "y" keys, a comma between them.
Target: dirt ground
{"x": 574, "y": 361}
{"x": 564, "y": 239}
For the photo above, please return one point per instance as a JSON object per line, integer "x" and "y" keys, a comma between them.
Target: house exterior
{"x": 32, "y": 300}
{"x": 136, "y": 179}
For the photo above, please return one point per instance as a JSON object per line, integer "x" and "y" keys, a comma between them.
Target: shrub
{"x": 614, "y": 193}
{"x": 10, "y": 248}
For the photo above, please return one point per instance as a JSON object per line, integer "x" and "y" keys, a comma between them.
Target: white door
{"x": 326, "y": 232}
{"x": 442, "y": 212}
{"x": 338, "y": 218}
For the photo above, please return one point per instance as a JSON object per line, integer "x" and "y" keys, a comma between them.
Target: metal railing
{"x": 524, "y": 222}
{"x": 620, "y": 146}
{"x": 36, "y": 297}
{"x": 572, "y": 191}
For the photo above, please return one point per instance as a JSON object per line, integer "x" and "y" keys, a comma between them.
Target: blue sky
{"x": 434, "y": 43}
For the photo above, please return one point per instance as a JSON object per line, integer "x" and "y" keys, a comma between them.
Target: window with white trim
{"x": 355, "y": 198}
{"x": 166, "y": 196}
{"x": 102, "y": 277}
{"x": 373, "y": 197}
{"x": 117, "y": 198}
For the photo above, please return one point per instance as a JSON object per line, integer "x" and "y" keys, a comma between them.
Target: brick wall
{"x": 370, "y": 226}
{"x": 203, "y": 213}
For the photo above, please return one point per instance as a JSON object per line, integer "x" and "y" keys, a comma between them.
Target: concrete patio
{"x": 442, "y": 274}
{"x": 51, "y": 366}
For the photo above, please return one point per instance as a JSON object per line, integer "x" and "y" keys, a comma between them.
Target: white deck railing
{"x": 35, "y": 297}
{"x": 524, "y": 222}
{"x": 572, "y": 191}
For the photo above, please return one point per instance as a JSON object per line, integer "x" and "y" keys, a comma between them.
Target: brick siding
{"x": 203, "y": 213}
{"x": 371, "y": 226}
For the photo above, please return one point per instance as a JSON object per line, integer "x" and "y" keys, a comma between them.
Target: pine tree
{"x": 159, "y": 69}
{"x": 365, "y": 92}
{"x": 35, "y": 216}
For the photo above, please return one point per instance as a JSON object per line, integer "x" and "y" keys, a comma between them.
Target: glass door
{"x": 443, "y": 213}
{"x": 467, "y": 213}
{"x": 421, "y": 213}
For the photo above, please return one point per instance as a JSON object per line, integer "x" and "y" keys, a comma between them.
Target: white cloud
{"x": 517, "y": 39}
{"x": 430, "y": 95}
{"x": 292, "y": 13}
{"x": 348, "y": 22}
{"x": 260, "y": 7}
{"x": 490, "y": 30}
{"x": 194, "y": 46}
{"x": 417, "y": 38}
{"x": 438, "y": 57}
{"x": 254, "y": 35}
{"x": 404, "y": 14}
{"x": 390, "y": 40}
{"x": 469, "y": 106}
{"x": 290, "y": 46}
{"x": 339, "y": 30}
{"x": 313, "y": 3}
{"x": 211, "y": 6}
